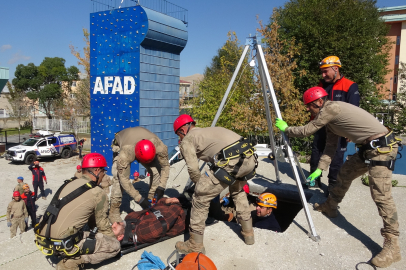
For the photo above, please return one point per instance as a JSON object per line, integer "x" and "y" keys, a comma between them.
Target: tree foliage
{"x": 395, "y": 118}
{"x": 20, "y": 104}
{"x": 216, "y": 79}
{"x": 349, "y": 29}
{"x": 47, "y": 83}
{"x": 85, "y": 59}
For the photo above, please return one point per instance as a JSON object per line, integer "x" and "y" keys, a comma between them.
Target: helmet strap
{"x": 181, "y": 132}
{"x": 92, "y": 173}
{"x": 335, "y": 74}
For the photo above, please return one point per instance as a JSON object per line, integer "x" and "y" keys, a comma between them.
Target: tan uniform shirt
{"x": 19, "y": 188}
{"x": 90, "y": 207}
{"x": 341, "y": 120}
{"x": 203, "y": 144}
{"x": 16, "y": 210}
{"x": 129, "y": 137}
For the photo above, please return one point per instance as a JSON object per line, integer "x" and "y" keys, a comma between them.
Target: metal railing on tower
{"x": 162, "y": 6}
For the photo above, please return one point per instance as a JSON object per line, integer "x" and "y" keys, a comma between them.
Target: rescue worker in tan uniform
{"x": 86, "y": 206}
{"x": 137, "y": 144}
{"x": 17, "y": 214}
{"x": 20, "y": 185}
{"x": 78, "y": 173}
{"x": 207, "y": 144}
{"x": 378, "y": 149}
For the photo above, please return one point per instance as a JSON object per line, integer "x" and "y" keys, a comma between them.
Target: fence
{"x": 61, "y": 125}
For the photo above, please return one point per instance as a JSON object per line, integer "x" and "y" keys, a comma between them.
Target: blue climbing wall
{"x": 134, "y": 70}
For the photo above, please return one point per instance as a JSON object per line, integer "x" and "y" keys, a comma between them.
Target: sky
{"x": 32, "y": 30}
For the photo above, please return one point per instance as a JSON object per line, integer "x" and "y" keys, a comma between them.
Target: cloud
{"x": 18, "y": 57}
{"x": 5, "y": 47}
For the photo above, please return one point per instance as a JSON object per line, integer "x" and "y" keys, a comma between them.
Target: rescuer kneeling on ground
{"x": 137, "y": 144}
{"x": 377, "y": 153}
{"x": 76, "y": 203}
{"x": 232, "y": 162}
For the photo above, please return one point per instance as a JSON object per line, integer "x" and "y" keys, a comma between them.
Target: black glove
{"x": 159, "y": 193}
{"x": 144, "y": 203}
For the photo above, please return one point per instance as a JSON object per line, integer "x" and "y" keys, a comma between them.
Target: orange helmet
{"x": 330, "y": 62}
{"x": 196, "y": 260}
{"x": 26, "y": 186}
{"x": 267, "y": 200}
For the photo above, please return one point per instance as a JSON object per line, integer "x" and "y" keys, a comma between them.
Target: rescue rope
{"x": 367, "y": 263}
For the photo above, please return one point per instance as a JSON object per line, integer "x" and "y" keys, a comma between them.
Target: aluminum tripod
{"x": 267, "y": 88}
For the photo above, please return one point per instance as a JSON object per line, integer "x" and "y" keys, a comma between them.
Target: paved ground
{"x": 350, "y": 238}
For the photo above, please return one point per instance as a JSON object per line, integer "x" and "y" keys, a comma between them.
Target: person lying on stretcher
{"x": 166, "y": 218}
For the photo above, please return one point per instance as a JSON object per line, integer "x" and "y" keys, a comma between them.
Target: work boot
{"x": 114, "y": 213}
{"x": 194, "y": 244}
{"x": 329, "y": 208}
{"x": 247, "y": 231}
{"x": 70, "y": 264}
{"x": 390, "y": 252}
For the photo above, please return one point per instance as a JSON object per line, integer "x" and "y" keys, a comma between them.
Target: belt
{"x": 386, "y": 140}
{"x": 48, "y": 245}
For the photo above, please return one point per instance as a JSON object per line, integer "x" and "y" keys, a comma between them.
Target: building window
{"x": 397, "y": 60}
{"x": 395, "y": 79}
{"x": 73, "y": 84}
{"x": 72, "y": 95}
{"x": 398, "y": 40}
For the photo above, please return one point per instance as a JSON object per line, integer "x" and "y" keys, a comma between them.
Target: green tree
{"x": 216, "y": 79}
{"x": 395, "y": 111}
{"x": 349, "y": 29}
{"x": 48, "y": 83}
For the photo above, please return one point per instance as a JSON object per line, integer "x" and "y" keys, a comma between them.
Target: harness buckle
{"x": 158, "y": 214}
{"x": 371, "y": 143}
{"x": 66, "y": 246}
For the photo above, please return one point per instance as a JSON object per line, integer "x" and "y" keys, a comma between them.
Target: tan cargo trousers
{"x": 15, "y": 223}
{"x": 380, "y": 184}
{"x": 208, "y": 187}
{"x": 106, "y": 247}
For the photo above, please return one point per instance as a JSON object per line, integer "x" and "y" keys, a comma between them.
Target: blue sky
{"x": 32, "y": 30}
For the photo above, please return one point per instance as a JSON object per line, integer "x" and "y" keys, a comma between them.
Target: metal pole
{"x": 262, "y": 65}
{"x": 244, "y": 53}
{"x": 269, "y": 121}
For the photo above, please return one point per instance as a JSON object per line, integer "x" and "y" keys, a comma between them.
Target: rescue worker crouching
{"x": 137, "y": 144}
{"x": 378, "y": 149}
{"x": 60, "y": 232}
{"x": 214, "y": 145}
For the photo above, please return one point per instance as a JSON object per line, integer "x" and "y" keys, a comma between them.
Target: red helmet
{"x": 182, "y": 120}
{"x": 145, "y": 151}
{"x": 313, "y": 94}
{"x": 136, "y": 174}
{"x": 16, "y": 194}
{"x": 93, "y": 160}
{"x": 78, "y": 167}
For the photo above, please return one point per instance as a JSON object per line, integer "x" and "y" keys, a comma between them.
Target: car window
{"x": 30, "y": 142}
{"x": 51, "y": 141}
{"x": 43, "y": 143}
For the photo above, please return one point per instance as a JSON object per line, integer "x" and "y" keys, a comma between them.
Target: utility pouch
{"x": 222, "y": 175}
{"x": 89, "y": 245}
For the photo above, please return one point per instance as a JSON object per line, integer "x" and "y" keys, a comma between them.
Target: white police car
{"x": 43, "y": 146}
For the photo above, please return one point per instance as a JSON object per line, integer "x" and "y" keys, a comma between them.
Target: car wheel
{"x": 66, "y": 153}
{"x": 30, "y": 158}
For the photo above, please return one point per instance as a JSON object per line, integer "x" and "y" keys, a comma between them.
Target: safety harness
{"x": 241, "y": 149}
{"x": 49, "y": 246}
{"x": 388, "y": 140}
